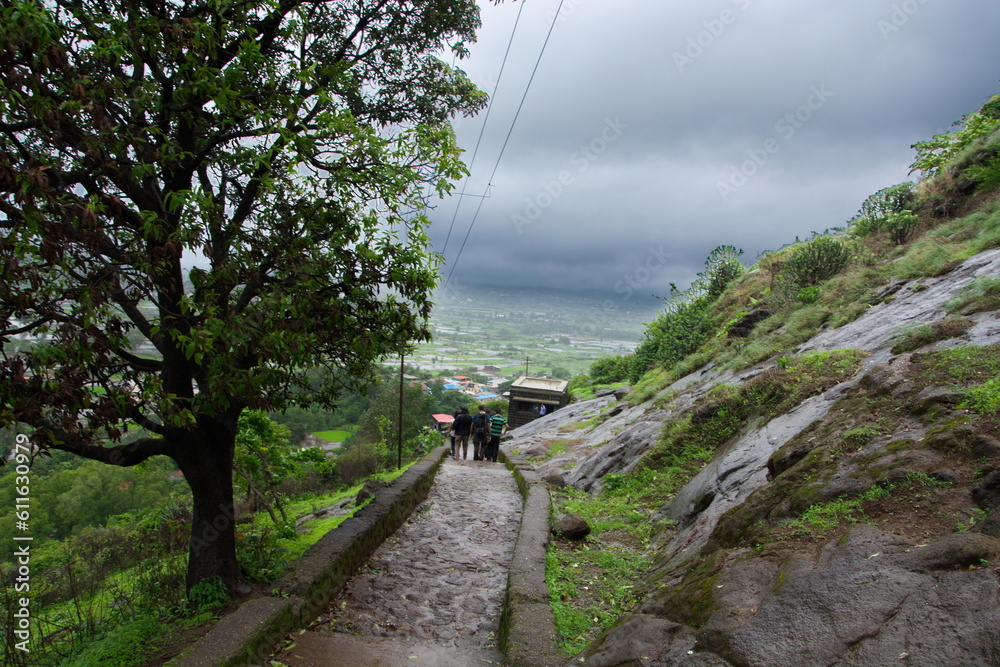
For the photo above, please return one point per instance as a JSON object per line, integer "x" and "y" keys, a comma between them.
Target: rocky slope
{"x": 911, "y": 580}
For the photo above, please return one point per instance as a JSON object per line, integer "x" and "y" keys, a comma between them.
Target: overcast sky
{"x": 655, "y": 131}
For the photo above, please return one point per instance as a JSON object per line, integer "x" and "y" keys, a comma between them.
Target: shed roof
{"x": 545, "y": 384}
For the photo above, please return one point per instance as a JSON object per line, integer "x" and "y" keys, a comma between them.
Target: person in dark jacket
{"x": 463, "y": 428}
{"x": 480, "y": 433}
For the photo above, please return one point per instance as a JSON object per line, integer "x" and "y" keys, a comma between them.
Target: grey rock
{"x": 638, "y": 640}
{"x": 858, "y": 605}
{"x": 573, "y": 527}
{"x": 369, "y": 490}
{"x": 953, "y": 552}
{"x": 984, "y": 446}
{"x": 555, "y": 479}
{"x": 945, "y": 475}
{"x": 989, "y": 526}
{"x": 987, "y": 491}
{"x": 932, "y": 397}
{"x": 745, "y": 326}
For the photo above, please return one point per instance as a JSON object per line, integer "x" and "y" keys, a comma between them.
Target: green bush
{"x": 674, "y": 334}
{"x": 940, "y": 149}
{"x": 127, "y": 645}
{"x": 722, "y": 266}
{"x": 817, "y": 260}
{"x": 901, "y": 225}
{"x": 259, "y": 554}
{"x": 208, "y": 593}
{"x": 610, "y": 369}
{"x": 986, "y": 175}
{"x": 877, "y": 209}
{"x": 808, "y": 295}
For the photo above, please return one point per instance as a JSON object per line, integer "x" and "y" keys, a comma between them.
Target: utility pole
{"x": 399, "y": 449}
{"x": 525, "y": 365}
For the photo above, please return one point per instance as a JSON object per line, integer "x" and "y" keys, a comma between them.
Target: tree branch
{"x": 122, "y": 455}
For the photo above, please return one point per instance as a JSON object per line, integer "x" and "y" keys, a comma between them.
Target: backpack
{"x": 480, "y": 424}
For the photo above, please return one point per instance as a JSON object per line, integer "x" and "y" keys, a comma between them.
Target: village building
{"x": 532, "y": 397}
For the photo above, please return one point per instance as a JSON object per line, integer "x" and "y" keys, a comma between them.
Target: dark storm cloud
{"x": 654, "y": 132}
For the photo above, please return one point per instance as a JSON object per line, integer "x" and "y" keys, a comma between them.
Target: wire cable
{"x": 506, "y": 140}
{"x": 482, "y": 129}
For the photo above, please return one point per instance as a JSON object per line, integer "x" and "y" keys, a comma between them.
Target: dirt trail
{"x": 432, "y": 593}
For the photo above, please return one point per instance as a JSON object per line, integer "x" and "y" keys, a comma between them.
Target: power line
{"x": 482, "y": 129}
{"x": 507, "y": 139}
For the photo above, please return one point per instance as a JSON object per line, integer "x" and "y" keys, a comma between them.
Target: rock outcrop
{"x": 736, "y": 583}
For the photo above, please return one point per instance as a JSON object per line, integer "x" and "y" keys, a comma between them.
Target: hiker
{"x": 480, "y": 434}
{"x": 463, "y": 427}
{"x": 451, "y": 431}
{"x": 498, "y": 426}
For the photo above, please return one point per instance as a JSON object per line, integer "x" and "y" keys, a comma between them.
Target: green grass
{"x": 337, "y": 435}
{"x": 915, "y": 337}
{"x": 591, "y": 582}
{"x": 819, "y": 520}
{"x": 985, "y": 398}
{"x": 980, "y": 295}
{"x": 312, "y": 530}
{"x": 963, "y": 364}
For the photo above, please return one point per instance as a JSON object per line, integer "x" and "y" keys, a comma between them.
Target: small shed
{"x": 531, "y": 398}
{"x": 442, "y": 422}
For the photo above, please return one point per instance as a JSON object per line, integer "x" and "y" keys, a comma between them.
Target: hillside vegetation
{"x": 806, "y": 466}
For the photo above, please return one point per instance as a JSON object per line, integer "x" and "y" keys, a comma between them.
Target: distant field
{"x": 333, "y": 436}
{"x": 550, "y": 336}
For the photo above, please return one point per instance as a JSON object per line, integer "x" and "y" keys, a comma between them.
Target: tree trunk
{"x": 208, "y": 469}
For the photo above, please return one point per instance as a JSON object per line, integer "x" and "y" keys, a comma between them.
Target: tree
{"x": 380, "y": 422}
{"x": 722, "y": 266}
{"x": 561, "y": 372}
{"x": 233, "y": 182}
{"x": 263, "y": 460}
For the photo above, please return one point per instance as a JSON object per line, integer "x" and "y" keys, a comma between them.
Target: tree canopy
{"x": 202, "y": 201}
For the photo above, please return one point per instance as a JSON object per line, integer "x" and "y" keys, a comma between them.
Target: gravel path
{"x": 433, "y": 592}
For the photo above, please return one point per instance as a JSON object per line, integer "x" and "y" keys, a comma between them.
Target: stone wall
{"x": 528, "y": 634}
{"x": 250, "y": 633}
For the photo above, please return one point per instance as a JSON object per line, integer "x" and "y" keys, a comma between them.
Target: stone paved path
{"x": 432, "y": 593}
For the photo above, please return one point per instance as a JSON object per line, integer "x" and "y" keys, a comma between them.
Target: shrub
{"x": 260, "y": 555}
{"x": 808, "y": 295}
{"x": 940, "y": 149}
{"x": 362, "y": 460}
{"x": 610, "y": 369}
{"x": 901, "y": 225}
{"x": 722, "y": 267}
{"x": 817, "y": 260}
{"x": 127, "y": 645}
{"x": 877, "y": 208}
{"x": 674, "y": 334}
{"x": 208, "y": 593}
